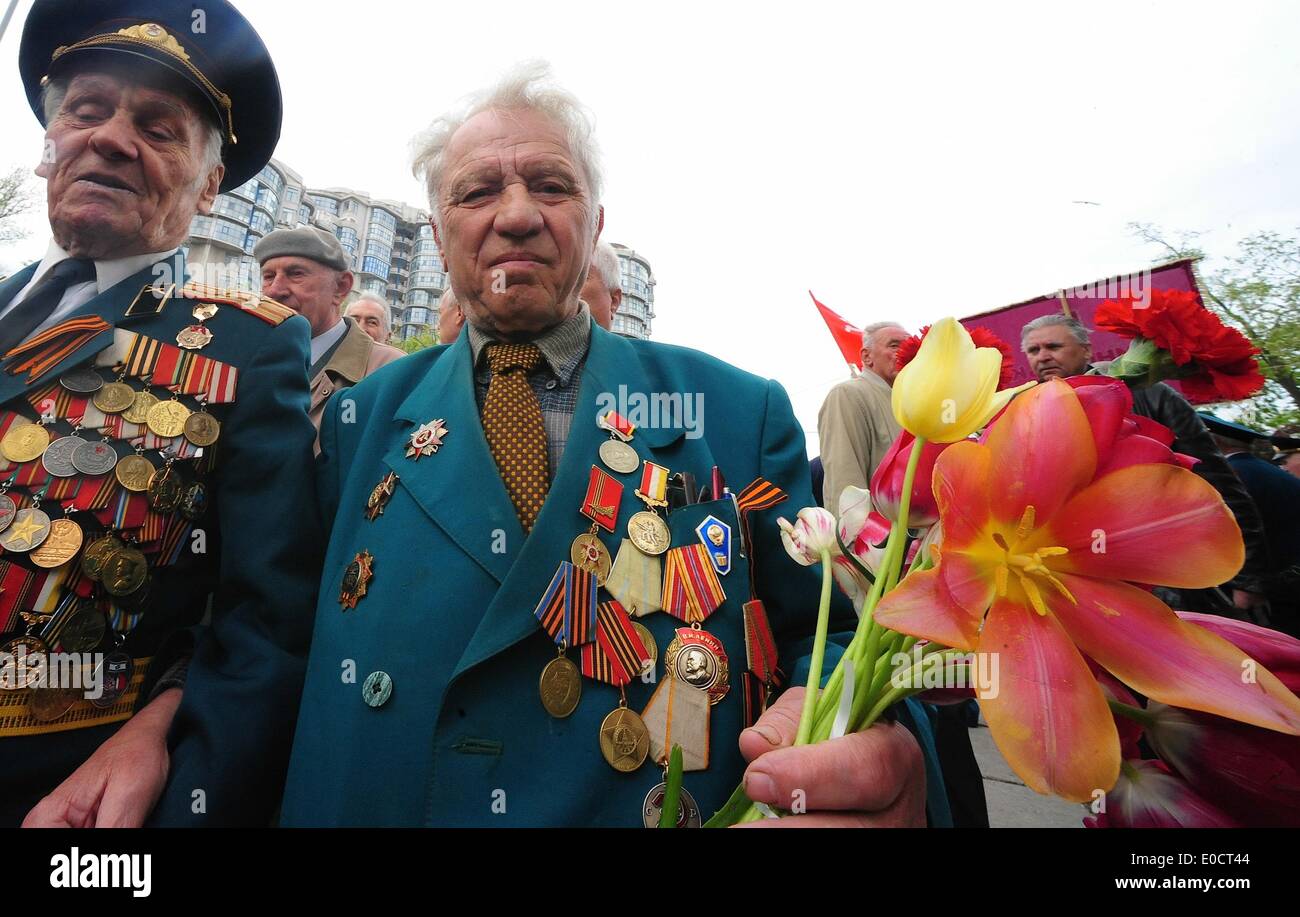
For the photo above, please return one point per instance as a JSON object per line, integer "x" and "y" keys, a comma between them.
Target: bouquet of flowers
{"x": 1036, "y": 545}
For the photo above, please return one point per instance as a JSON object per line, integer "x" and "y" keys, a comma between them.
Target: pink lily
{"x": 1149, "y": 795}
{"x": 1275, "y": 651}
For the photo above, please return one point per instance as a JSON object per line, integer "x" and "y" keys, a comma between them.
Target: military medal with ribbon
{"x": 691, "y": 593}
{"x": 647, "y": 529}
{"x": 615, "y": 657}
{"x": 615, "y": 452}
{"x": 600, "y": 505}
{"x": 567, "y": 612}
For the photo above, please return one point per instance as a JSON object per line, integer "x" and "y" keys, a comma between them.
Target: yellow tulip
{"x": 949, "y": 389}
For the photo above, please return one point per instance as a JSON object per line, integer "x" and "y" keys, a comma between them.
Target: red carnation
{"x": 1219, "y": 360}
{"x": 982, "y": 337}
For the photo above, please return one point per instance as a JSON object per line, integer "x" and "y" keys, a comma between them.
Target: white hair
{"x": 372, "y": 296}
{"x": 1053, "y": 319}
{"x": 606, "y": 262}
{"x": 214, "y": 134}
{"x": 446, "y": 300}
{"x": 869, "y": 331}
{"x": 529, "y": 87}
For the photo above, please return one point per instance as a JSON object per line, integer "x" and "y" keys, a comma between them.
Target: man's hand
{"x": 872, "y": 779}
{"x": 119, "y": 784}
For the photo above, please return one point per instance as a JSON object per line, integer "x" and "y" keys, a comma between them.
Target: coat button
{"x": 377, "y": 689}
{"x": 325, "y": 389}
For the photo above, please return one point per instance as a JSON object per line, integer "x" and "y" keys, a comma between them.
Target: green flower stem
{"x": 894, "y": 571}
{"x": 1136, "y": 714}
{"x": 898, "y": 694}
{"x": 672, "y": 789}
{"x": 818, "y": 655}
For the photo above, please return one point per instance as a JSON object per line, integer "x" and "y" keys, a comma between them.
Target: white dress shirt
{"x": 322, "y": 342}
{"x": 107, "y": 274}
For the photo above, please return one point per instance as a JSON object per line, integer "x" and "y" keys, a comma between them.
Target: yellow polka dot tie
{"x": 512, "y": 423}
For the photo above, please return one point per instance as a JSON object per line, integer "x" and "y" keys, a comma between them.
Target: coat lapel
{"x": 509, "y": 618}
{"x": 457, "y": 487}
{"x": 10, "y": 287}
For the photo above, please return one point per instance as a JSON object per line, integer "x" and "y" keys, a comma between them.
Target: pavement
{"x": 1011, "y": 803}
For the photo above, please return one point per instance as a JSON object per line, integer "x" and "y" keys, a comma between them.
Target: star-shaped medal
{"x": 426, "y": 439}
{"x": 380, "y": 496}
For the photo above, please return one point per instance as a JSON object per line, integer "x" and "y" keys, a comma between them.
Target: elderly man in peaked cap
{"x": 500, "y": 458}
{"x": 153, "y": 436}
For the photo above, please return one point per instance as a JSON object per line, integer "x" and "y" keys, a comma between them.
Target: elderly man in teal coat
{"x": 475, "y": 659}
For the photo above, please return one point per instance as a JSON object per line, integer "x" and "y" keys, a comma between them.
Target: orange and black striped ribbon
{"x": 617, "y": 654}
{"x": 143, "y": 356}
{"x": 691, "y": 589}
{"x": 41, "y": 398}
{"x": 199, "y": 371}
{"x": 62, "y": 489}
{"x": 174, "y": 540}
{"x": 49, "y": 348}
{"x": 15, "y": 589}
{"x": 760, "y": 494}
{"x": 567, "y": 610}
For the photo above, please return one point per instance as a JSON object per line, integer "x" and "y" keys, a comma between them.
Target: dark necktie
{"x": 513, "y": 427}
{"x": 42, "y": 299}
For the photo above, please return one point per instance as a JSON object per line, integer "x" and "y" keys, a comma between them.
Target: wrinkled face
{"x": 450, "y": 320}
{"x": 881, "y": 356}
{"x": 307, "y": 287}
{"x": 122, "y": 166}
{"x": 370, "y": 316}
{"x": 517, "y": 230}
{"x": 599, "y": 298}
{"x": 1054, "y": 353}
{"x": 1291, "y": 464}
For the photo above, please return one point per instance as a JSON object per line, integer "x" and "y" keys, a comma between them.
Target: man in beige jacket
{"x": 306, "y": 269}
{"x": 856, "y": 424}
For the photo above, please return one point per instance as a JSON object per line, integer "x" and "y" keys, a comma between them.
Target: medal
{"x": 84, "y": 381}
{"x": 647, "y": 529}
{"x": 141, "y": 405}
{"x": 194, "y": 502}
{"x": 615, "y": 452}
{"x": 196, "y": 337}
{"x": 29, "y": 528}
{"x": 567, "y": 612}
{"x": 695, "y": 657}
{"x": 8, "y": 509}
{"x": 49, "y": 704}
{"x": 600, "y": 504}
{"x": 760, "y": 645}
{"x": 134, "y": 472}
{"x": 560, "y": 686}
{"x": 60, "y": 545}
{"x": 636, "y": 580}
{"x": 624, "y": 739}
{"x": 426, "y": 439}
{"x": 679, "y": 714}
{"x": 165, "y": 489}
{"x": 380, "y": 496}
{"x": 84, "y": 630}
{"x": 356, "y": 579}
{"x": 25, "y": 659}
{"x": 124, "y": 570}
{"x": 94, "y": 458}
{"x": 691, "y": 589}
{"x": 618, "y": 654}
{"x": 167, "y": 418}
{"x": 651, "y": 647}
{"x": 715, "y": 535}
{"x": 114, "y": 397}
{"x": 202, "y": 429}
{"x": 589, "y": 554}
{"x": 96, "y": 555}
{"x": 116, "y": 677}
{"x": 24, "y": 442}
{"x": 57, "y": 457}
{"x": 688, "y": 812}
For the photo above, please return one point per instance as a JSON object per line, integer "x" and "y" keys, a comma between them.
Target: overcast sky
{"x": 906, "y": 161}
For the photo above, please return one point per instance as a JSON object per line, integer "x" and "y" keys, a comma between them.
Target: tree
{"x": 1257, "y": 291}
{"x": 417, "y": 342}
{"x": 16, "y": 198}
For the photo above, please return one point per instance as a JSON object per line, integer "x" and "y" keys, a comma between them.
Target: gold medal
{"x": 202, "y": 429}
{"x": 30, "y": 527}
{"x": 138, "y": 412}
{"x": 165, "y": 489}
{"x": 96, "y": 555}
{"x": 624, "y": 740}
{"x": 651, "y": 647}
{"x": 649, "y": 532}
{"x": 84, "y": 630}
{"x": 133, "y": 472}
{"x": 60, "y": 545}
{"x": 49, "y": 704}
{"x": 25, "y": 657}
{"x": 696, "y": 657}
{"x": 114, "y": 398}
{"x": 587, "y": 553}
{"x": 560, "y": 687}
{"x": 167, "y": 418}
{"x": 124, "y": 571}
{"x": 24, "y": 442}
{"x": 196, "y": 337}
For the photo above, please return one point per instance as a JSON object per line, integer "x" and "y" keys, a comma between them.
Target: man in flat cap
{"x": 154, "y": 441}
{"x": 306, "y": 269}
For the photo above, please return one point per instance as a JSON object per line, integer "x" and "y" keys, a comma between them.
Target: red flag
{"x": 847, "y": 336}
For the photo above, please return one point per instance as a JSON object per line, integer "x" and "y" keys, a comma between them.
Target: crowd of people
{"x": 313, "y": 575}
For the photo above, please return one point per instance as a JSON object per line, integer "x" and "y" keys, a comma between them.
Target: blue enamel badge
{"x": 715, "y": 535}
